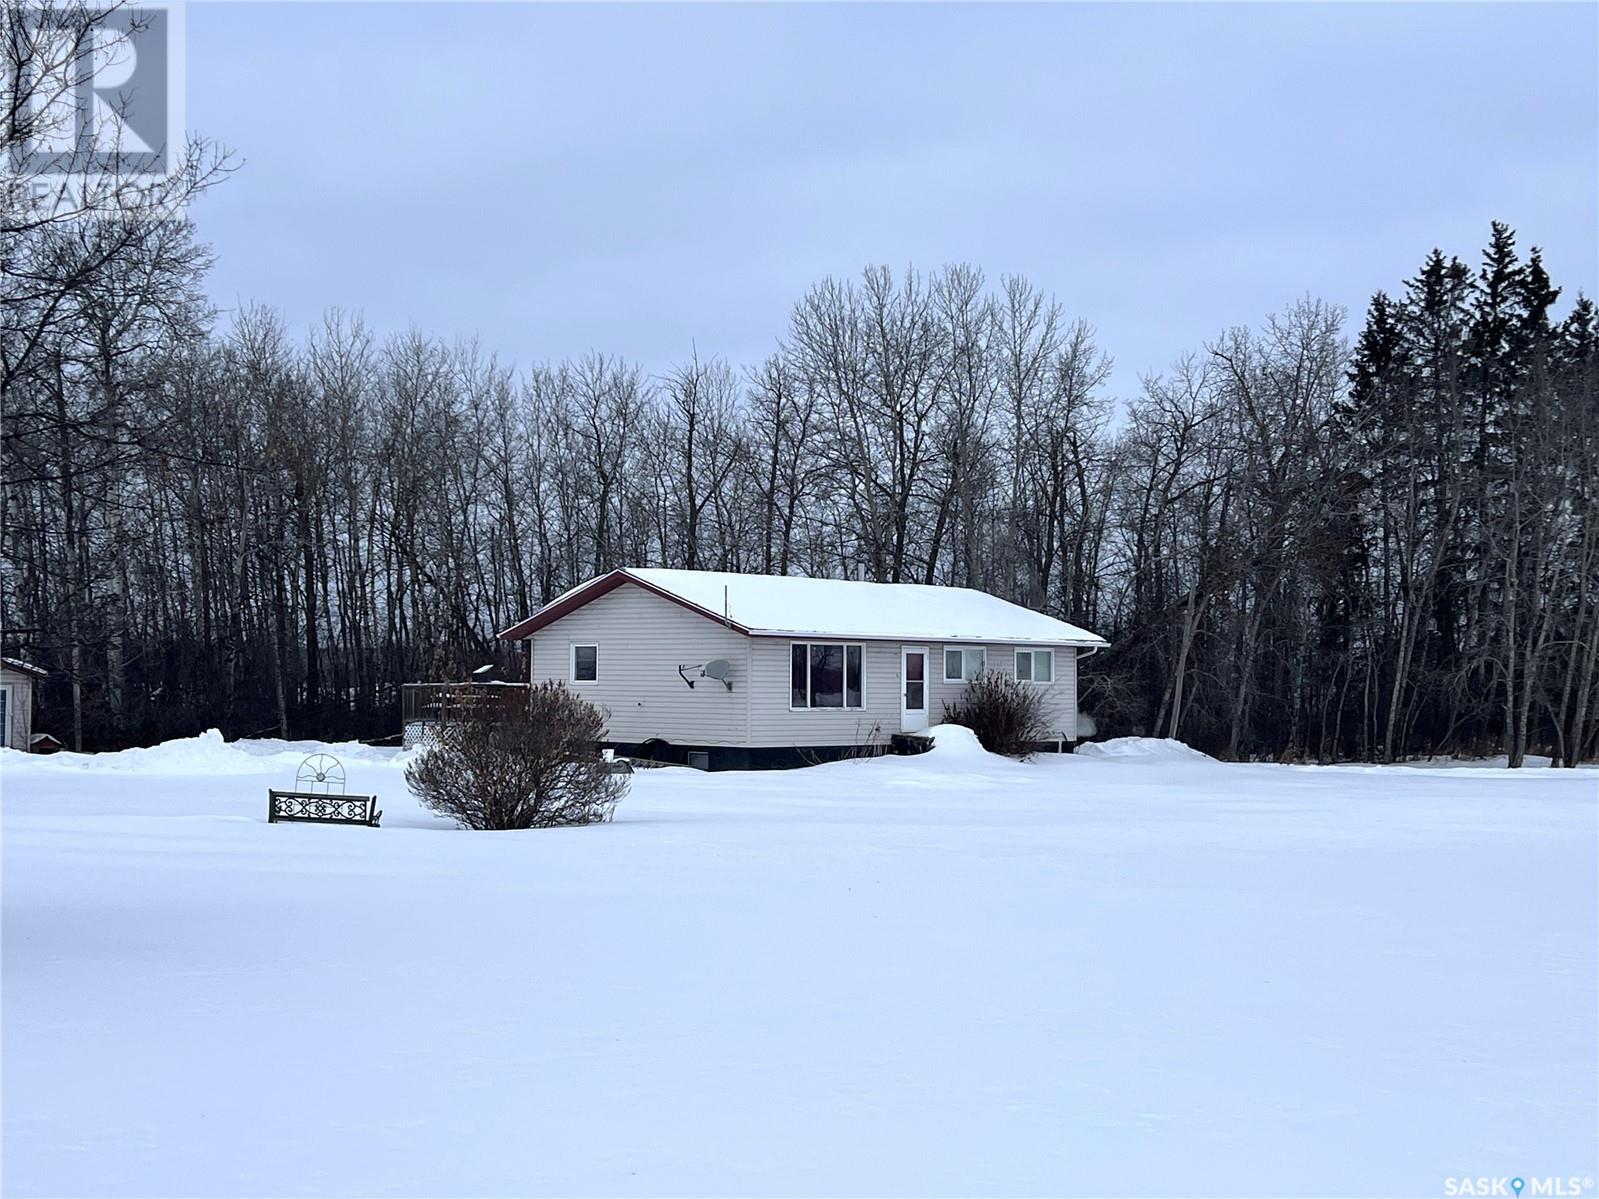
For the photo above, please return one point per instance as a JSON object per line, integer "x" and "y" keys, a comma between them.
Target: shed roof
{"x": 788, "y": 605}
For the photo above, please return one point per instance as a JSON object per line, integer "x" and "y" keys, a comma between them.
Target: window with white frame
{"x": 1035, "y": 665}
{"x": 585, "y": 663}
{"x": 962, "y": 664}
{"x": 824, "y": 674}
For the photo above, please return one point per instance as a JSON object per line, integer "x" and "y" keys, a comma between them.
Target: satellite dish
{"x": 716, "y": 668}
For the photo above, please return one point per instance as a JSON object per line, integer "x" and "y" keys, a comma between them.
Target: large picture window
{"x": 962, "y": 664}
{"x": 824, "y": 674}
{"x": 1035, "y": 665}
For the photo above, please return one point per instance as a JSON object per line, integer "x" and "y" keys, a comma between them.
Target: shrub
{"x": 531, "y": 760}
{"x": 1007, "y": 716}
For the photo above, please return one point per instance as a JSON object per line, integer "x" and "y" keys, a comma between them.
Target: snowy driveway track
{"x": 940, "y": 975}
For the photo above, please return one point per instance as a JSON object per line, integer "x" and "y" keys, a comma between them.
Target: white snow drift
{"x": 1136, "y": 973}
{"x": 1143, "y": 749}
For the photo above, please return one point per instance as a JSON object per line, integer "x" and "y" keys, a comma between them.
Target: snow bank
{"x": 1498, "y": 762}
{"x": 956, "y": 742}
{"x": 209, "y": 753}
{"x": 346, "y": 751}
{"x": 1143, "y": 749}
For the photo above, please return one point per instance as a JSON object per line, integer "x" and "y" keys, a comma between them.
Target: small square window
{"x": 1035, "y": 665}
{"x": 962, "y": 665}
{"x": 585, "y": 663}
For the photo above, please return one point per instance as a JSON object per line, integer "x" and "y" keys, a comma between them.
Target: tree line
{"x": 1304, "y": 542}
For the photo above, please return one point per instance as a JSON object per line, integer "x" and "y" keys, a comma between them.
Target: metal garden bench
{"x": 330, "y": 805}
{"x": 313, "y": 808}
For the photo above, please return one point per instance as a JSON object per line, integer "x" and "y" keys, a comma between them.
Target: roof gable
{"x": 584, "y": 593}
{"x": 788, "y": 605}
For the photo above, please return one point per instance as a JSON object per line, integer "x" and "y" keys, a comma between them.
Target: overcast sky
{"x": 640, "y": 179}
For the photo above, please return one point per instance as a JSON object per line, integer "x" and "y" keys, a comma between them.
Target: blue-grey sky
{"x": 642, "y": 179}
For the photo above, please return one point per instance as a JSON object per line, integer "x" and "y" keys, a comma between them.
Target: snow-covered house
{"x": 737, "y": 670}
{"x": 16, "y": 702}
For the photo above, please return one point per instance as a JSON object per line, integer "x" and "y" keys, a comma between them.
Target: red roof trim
{"x": 592, "y": 590}
{"x": 570, "y": 602}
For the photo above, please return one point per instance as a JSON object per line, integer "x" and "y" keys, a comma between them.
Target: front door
{"x": 913, "y": 689}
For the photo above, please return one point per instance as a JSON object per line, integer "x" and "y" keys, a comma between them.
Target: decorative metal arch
{"x": 320, "y": 774}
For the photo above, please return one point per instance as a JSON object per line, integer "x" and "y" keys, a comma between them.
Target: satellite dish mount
{"x": 716, "y": 668}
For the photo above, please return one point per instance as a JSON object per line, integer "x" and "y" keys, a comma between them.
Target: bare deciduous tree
{"x": 1297, "y": 549}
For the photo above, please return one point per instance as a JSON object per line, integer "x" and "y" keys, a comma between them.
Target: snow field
{"x": 1137, "y": 973}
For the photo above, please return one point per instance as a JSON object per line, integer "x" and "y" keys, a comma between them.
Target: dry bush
{"x": 530, "y": 760}
{"x": 1006, "y": 715}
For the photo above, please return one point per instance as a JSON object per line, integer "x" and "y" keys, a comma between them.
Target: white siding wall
{"x": 642, "y": 640}
{"x": 19, "y": 711}
{"x": 1001, "y": 658}
{"x": 1060, "y": 696}
{"x": 773, "y": 723}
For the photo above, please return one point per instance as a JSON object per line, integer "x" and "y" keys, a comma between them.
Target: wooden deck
{"x": 427, "y": 707}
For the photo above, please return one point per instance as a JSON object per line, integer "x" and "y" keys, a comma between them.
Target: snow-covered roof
{"x": 787, "y": 605}
{"x": 25, "y": 667}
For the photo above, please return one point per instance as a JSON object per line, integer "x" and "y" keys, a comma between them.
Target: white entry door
{"x": 913, "y": 689}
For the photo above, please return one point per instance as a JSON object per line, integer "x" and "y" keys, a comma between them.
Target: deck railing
{"x": 425, "y": 707}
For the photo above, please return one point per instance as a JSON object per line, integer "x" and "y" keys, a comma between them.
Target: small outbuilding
{"x": 16, "y": 702}
{"x": 723, "y": 670}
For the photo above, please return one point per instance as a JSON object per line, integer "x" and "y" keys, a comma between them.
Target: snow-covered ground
{"x": 1129, "y": 973}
